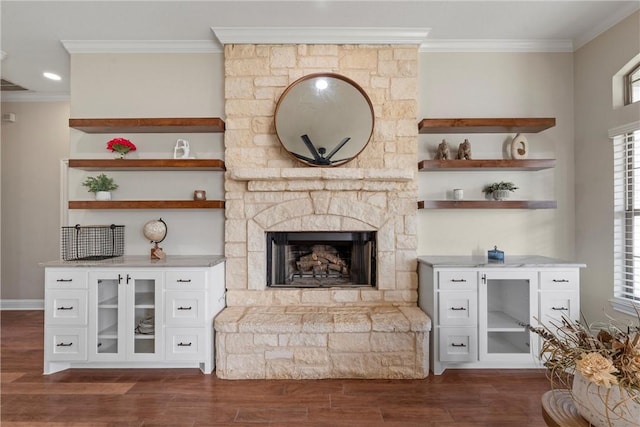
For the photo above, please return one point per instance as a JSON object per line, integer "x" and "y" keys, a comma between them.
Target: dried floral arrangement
{"x": 606, "y": 358}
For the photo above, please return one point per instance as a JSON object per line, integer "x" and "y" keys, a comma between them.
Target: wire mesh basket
{"x": 92, "y": 242}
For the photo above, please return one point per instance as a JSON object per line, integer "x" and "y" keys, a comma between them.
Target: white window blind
{"x": 627, "y": 217}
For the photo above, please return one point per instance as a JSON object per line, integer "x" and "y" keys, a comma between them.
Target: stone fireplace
{"x": 346, "y": 326}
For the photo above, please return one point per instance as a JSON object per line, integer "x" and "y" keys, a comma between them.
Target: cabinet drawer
{"x": 185, "y": 280}
{"x": 556, "y": 305}
{"x": 65, "y": 344}
{"x": 185, "y": 344}
{"x": 458, "y": 344}
{"x": 559, "y": 280}
{"x": 458, "y": 280}
{"x": 184, "y": 308}
{"x": 66, "y": 307}
{"x": 457, "y": 308}
{"x": 57, "y": 278}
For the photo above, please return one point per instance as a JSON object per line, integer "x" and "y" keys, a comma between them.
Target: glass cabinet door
{"x": 123, "y": 325}
{"x": 107, "y": 321}
{"x": 144, "y": 311}
{"x": 507, "y": 303}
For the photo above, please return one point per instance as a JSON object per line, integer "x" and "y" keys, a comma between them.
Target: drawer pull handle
{"x": 65, "y": 308}
{"x": 183, "y": 280}
{"x": 458, "y": 345}
{"x": 560, "y": 281}
{"x": 181, "y": 344}
{"x": 559, "y": 308}
{"x": 184, "y": 308}
{"x": 62, "y": 344}
{"x": 459, "y": 280}
{"x": 459, "y": 308}
{"x": 64, "y": 280}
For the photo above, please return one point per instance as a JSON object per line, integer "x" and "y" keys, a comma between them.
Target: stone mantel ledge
{"x": 328, "y": 174}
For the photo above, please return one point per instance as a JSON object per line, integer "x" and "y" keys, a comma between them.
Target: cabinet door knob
{"x": 65, "y": 308}
{"x": 459, "y": 308}
{"x": 184, "y": 308}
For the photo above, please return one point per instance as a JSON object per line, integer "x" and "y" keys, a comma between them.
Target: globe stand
{"x": 157, "y": 252}
{"x": 156, "y": 232}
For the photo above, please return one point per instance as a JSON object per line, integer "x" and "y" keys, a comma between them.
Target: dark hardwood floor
{"x": 186, "y": 397}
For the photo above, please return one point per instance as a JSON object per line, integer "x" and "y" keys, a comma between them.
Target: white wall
{"x": 32, "y": 148}
{"x": 595, "y": 65}
{"x": 499, "y": 85}
{"x": 151, "y": 85}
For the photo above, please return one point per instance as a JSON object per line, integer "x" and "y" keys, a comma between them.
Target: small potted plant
{"x": 120, "y": 147}
{"x": 499, "y": 190}
{"x": 101, "y": 185}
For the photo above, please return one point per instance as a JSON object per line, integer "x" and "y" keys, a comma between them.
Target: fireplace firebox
{"x": 321, "y": 259}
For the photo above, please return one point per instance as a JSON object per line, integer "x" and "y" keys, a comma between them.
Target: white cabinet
{"x": 127, "y": 317}
{"x": 66, "y": 298}
{"x": 480, "y": 311}
{"x": 125, "y": 322}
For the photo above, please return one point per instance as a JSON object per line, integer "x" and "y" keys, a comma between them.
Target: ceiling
{"x": 32, "y": 31}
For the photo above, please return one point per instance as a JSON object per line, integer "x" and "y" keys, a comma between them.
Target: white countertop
{"x": 142, "y": 261}
{"x": 524, "y": 261}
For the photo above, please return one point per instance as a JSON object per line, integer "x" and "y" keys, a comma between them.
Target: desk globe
{"x": 156, "y": 231}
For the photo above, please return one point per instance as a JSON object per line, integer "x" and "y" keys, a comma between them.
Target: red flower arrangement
{"x": 121, "y": 145}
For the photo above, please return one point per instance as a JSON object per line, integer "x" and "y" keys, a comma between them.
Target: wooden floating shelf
{"x": 486, "y": 125}
{"x": 487, "y": 204}
{"x": 485, "y": 164}
{"x": 148, "y": 164}
{"x": 149, "y": 125}
{"x": 147, "y": 204}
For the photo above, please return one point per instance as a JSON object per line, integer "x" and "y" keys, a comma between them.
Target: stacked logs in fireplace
{"x": 322, "y": 260}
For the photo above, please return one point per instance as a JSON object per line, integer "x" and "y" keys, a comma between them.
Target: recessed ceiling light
{"x": 52, "y": 76}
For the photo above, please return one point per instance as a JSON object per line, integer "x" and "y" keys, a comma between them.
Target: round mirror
{"x": 324, "y": 119}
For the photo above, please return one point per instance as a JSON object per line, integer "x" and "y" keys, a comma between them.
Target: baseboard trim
{"x": 21, "y": 304}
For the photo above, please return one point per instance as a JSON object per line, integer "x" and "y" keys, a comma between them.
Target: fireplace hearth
{"x": 321, "y": 259}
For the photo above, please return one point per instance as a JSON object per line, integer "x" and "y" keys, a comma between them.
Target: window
{"x": 627, "y": 219}
{"x": 632, "y": 85}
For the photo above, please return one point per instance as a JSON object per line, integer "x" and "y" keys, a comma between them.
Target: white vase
{"x": 103, "y": 195}
{"x": 500, "y": 194}
{"x": 605, "y": 407}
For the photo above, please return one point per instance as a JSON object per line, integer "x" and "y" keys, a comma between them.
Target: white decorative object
{"x": 519, "y": 147}
{"x": 103, "y": 195}
{"x": 458, "y": 194}
{"x": 605, "y": 407}
{"x": 182, "y": 150}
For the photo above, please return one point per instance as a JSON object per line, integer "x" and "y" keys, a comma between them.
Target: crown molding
{"x": 34, "y": 97}
{"x": 495, "y": 45}
{"x": 620, "y": 14}
{"x": 319, "y": 35}
{"x": 141, "y": 46}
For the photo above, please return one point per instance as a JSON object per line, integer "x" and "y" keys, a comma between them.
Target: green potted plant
{"x": 499, "y": 190}
{"x": 101, "y": 185}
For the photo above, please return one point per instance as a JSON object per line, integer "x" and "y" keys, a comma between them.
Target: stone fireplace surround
{"x": 372, "y": 332}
